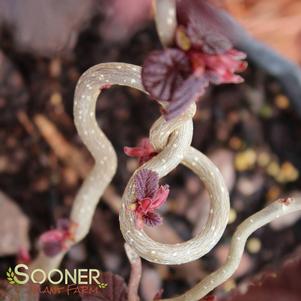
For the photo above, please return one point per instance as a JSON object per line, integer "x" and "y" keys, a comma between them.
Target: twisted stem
{"x": 276, "y": 210}
{"x": 172, "y": 141}
{"x": 87, "y": 91}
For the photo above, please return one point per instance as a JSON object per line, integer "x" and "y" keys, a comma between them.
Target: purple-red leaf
{"x": 204, "y": 55}
{"x": 152, "y": 219}
{"x": 63, "y": 224}
{"x": 52, "y": 242}
{"x": 160, "y": 196}
{"x": 207, "y": 26}
{"x": 147, "y": 183}
{"x": 144, "y": 151}
{"x": 149, "y": 197}
{"x": 163, "y": 71}
{"x": 185, "y": 94}
{"x": 206, "y": 39}
{"x": 221, "y": 69}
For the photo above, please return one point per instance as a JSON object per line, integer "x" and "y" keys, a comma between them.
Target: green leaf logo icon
{"x": 102, "y": 285}
{"x": 10, "y": 276}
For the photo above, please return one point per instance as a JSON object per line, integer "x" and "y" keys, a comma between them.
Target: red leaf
{"x": 144, "y": 151}
{"x": 160, "y": 197}
{"x": 64, "y": 224}
{"x": 207, "y": 40}
{"x": 185, "y": 94}
{"x": 143, "y": 206}
{"x": 152, "y": 219}
{"x": 52, "y": 242}
{"x": 163, "y": 71}
{"x": 221, "y": 68}
{"x": 149, "y": 198}
{"x": 134, "y": 151}
{"x": 207, "y": 26}
{"x": 147, "y": 183}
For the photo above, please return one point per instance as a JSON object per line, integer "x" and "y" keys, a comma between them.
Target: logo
{"x": 10, "y": 275}
{"x": 57, "y": 281}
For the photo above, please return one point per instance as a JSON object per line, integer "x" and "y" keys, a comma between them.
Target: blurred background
{"x": 251, "y": 131}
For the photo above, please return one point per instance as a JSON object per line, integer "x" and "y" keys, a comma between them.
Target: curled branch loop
{"x": 172, "y": 142}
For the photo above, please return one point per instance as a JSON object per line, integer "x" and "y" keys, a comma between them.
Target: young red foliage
{"x": 144, "y": 151}
{"x": 149, "y": 197}
{"x": 202, "y": 54}
{"x": 53, "y": 241}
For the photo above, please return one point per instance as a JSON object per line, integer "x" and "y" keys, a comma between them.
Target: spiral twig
{"x": 172, "y": 142}
{"x": 245, "y": 229}
{"x": 87, "y": 91}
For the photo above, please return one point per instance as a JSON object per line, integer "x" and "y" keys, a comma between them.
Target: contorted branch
{"x": 244, "y": 230}
{"x": 88, "y": 88}
{"x": 171, "y": 141}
